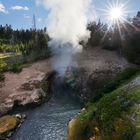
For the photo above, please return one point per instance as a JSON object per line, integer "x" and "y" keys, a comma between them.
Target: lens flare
{"x": 116, "y": 16}
{"x": 115, "y": 13}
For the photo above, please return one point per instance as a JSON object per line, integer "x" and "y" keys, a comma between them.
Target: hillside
{"x": 115, "y": 116}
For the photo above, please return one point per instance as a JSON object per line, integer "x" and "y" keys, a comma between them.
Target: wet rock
{"x": 18, "y": 116}
{"x": 7, "y": 125}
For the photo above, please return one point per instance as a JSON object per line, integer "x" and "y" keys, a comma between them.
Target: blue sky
{"x": 19, "y": 13}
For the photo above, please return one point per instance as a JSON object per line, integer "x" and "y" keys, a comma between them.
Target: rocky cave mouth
{"x": 72, "y": 85}
{"x": 61, "y": 87}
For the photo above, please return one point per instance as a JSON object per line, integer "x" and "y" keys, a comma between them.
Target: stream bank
{"x": 115, "y": 116}
{"x": 49, "y": 121}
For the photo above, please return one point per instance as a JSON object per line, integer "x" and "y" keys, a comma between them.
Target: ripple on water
{"x": 49, "y": 122}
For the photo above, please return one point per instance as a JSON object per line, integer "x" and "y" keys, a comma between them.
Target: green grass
{"x": 111, "y": 114}
{"x": 14, "y": 67}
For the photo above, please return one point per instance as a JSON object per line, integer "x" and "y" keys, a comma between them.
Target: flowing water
{"x": 49, "y": 121}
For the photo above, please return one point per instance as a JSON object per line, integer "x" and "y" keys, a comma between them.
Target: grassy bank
{"x": 115, "y": 116}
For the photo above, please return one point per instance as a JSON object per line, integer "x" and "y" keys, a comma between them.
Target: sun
{"x": 116, "y": 13}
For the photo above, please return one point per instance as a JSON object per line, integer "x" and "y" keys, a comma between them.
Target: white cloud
{"x": 27, "y": 16}
{"x": 17, "y": 7}
{"x": 2, "y": 8}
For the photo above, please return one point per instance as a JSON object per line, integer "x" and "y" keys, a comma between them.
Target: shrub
{"x": 3, "y": 66}
{"x": 12, "y": 66}
{"x": 97, "y": 31}
{"x": 15, "y": 67}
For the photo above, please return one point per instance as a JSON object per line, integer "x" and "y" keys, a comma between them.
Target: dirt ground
{"x": 14, "y": 85}
{"x": 98, "y": 59}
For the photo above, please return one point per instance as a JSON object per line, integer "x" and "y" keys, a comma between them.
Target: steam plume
{"x": 67, "y": 21}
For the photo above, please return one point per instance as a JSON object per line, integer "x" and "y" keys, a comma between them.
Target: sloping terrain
{"x": 116, "y": 116}
{"x": 98, "y": 59}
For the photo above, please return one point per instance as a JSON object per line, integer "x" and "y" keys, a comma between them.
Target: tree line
{"x": 23, "y": 41}
{"x": 124, "y": 37}
{"x": 20, "y": 47}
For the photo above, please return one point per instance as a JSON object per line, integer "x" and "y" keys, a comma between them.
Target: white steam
{"x": 67, "y": 22}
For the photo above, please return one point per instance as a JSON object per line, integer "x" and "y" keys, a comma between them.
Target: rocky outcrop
{"x": 31, "y": 87}
{"x": 94, "y": 68}
{"x": 8, "y": 124}
{"x": 33, "y": 93}
{"x": 85, "y": 86}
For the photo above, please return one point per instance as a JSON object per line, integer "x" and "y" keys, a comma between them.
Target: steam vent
{"x": 69, "y": 70}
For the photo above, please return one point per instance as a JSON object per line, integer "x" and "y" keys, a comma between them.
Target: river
{"x": 49, "y": 121}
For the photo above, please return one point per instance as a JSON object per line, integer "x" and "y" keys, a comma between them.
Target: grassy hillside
{"x": 115, "y": 116}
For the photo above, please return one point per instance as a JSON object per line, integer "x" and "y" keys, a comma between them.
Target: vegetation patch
{"x": 111, "y": 117}
{"x": 19, "y": 47}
